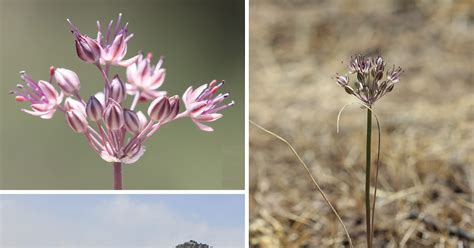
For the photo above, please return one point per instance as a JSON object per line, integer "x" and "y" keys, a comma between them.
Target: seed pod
{"x": 94, "y": 109}
{"x": 159, "y": 108}
{"x": 67, "y": 80}
{"x": 113, "y": 115}
{"x": 76, "y": 121}
{"x": 132, "y": 122}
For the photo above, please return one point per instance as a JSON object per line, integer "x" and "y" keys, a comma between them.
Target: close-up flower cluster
{"x": 370, "y": 84}
{"x": 114, "y": 131}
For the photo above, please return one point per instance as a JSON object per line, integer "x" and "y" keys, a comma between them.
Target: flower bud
{"x": 174, "y": 107}
{"x": 342, "y": 80}
{"x": 132, "y": 123}
{"x": 394, "y": 74}
{"x": 113, "y": 115}
{"x": 76, "y": 121}
{"x": 117, "y": 89}
{"x": 159, "y": 109}
{"x": 71, "y": 104}
{"x": 67, "y": 80}
{"x": 142, "y": 120}
{"x": 87, "y": 49}
{"x": 94, "y": 109}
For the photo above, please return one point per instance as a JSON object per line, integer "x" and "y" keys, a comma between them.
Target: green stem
{"x": 367, "y": 177}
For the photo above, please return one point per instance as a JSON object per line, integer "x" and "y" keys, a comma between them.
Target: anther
{"x": 51, "y": 70}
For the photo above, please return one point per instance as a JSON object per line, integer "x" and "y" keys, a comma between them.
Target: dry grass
{"x": 426, "y": 179}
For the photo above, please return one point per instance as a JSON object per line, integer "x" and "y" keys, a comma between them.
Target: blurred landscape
{"x": 425, "y": 195}
{"x": 130, "y": 221}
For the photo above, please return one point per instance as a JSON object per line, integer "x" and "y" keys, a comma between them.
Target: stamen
{"x": 19, "y": 98}
{"x": 222, "y": 107}
{"x": 161, "y": 59}
{"x": 73, "y": 28}
{"x": 109, "y": 27}
{"x": 212, "y": 84}
{"x": 214, "y": 90}
{"x": 220, "y": 98}
{"x": 117, "y": 25}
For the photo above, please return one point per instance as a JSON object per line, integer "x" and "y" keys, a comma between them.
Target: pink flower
{"x": 202, "y": 104}
{"x": 145, "y": 78}
{"x": 116, "y": 132}
{"x": 110, "y": 49}
{"x": 42, "y": 95}
{"x": 114, "y": 44}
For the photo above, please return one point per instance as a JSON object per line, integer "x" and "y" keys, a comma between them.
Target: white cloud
{"x": 118, "y": 221}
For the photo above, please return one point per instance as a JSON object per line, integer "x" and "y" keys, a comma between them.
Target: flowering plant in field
{"x": 115, "y": 132}
{"x": 369, "y": 86}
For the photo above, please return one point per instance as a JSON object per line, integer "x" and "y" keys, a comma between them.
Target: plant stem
{"x": 117, "y": 175}
{"x": 367, "y": 178}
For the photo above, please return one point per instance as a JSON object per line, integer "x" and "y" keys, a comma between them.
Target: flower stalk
{"x": 367, "y": 178}
{"x": 117, "y": 175}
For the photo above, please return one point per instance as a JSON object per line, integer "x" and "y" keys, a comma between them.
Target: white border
{"x": 246, "y": 117}
{"x": 121, "y": 192}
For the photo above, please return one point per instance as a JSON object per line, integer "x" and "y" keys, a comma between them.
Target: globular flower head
{"x": 67, "y": 80}
{"x": 42, "y": 95}
{"x": 145, "y": 78}
{"x": 369, "y": 84}
{"x": 203, "y": 105}
{"x": 117, "y": 133}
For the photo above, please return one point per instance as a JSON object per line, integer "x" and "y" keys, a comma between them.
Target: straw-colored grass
{"x": 426, "y": 181}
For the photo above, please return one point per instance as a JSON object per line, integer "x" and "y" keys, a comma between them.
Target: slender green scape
{"x": 367, "y": 178}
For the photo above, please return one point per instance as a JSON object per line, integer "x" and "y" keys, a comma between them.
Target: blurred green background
{"x": 201, "y": 40}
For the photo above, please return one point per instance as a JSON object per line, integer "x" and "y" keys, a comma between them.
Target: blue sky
{"x": 121, "y": 220}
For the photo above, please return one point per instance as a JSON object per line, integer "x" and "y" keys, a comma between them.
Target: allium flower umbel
{"x": 114, "y": 131}
{"x": 372, "y": 81}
